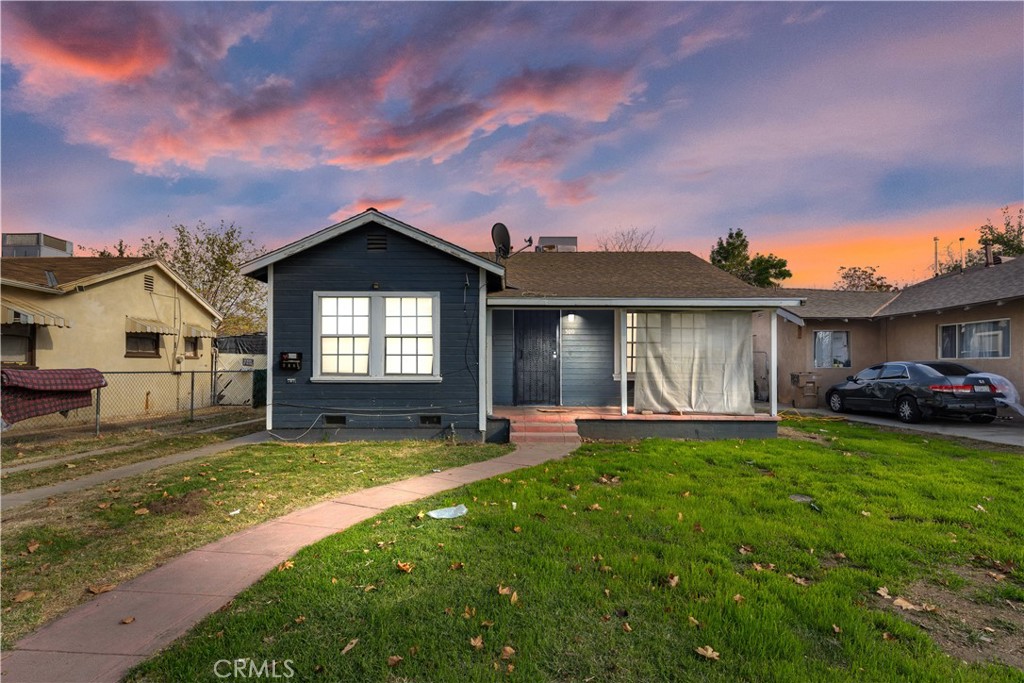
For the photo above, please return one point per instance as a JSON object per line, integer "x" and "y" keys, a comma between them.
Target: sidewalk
{"x": 10, "y": 500}
{"x": 91, "y": 644}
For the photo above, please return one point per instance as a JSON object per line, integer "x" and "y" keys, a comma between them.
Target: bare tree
{"x": 628, "y": 239}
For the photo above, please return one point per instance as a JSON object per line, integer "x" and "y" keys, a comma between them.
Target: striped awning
{"x": 190, "y": 330}
{"x": 144, "y": 326}
{"x": 17, "y": 311}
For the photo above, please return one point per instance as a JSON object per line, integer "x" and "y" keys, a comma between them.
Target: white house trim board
{"x": 623, "y": 375}
{"x": 365, "y": 218}
{"x": 751, "y": 304}
{"x": 270, "y": 347}
{"x": 773, "y": 364}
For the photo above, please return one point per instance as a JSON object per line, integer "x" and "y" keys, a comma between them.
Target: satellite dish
{"x": 501, "y": 239}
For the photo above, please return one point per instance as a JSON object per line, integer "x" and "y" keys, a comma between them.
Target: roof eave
{"x": 749, "y": 303}
{"x": 7, "y": 282}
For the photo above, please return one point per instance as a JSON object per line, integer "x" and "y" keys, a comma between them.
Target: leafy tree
{"x": 628, "y": 239}
{"x": 859, "y": 279}
{"x": 733, "y": 256}
{"x": 1006, "y": 240}
{"x": 208, "y": 259}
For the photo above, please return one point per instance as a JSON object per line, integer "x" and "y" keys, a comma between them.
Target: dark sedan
{"x": 916, "y": 390}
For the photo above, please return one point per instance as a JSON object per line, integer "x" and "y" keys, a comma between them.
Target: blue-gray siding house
{"x": 381, "y": 330}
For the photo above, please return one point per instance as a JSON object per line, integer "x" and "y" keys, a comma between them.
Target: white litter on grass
{"x": 235, "y": 512}
{"x": 448, "y": 513}
{"x": 514, "y": 505}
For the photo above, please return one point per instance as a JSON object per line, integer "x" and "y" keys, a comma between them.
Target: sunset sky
{"x": 832, "y": 134}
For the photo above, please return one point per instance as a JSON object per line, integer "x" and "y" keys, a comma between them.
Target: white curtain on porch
{"x": 694, "y": 362}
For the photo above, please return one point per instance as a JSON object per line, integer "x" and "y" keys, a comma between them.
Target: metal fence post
{"x": 98, "y": 389}
{"x": 192, "y": 398}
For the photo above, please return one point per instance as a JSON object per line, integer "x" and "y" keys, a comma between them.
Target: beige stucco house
{"x": 113, "y": 314}
{"x": 975, "y": 316}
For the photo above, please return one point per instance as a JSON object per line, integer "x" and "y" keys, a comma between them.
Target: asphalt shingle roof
{"x": 32, "y": 270}
{"x": 607, "y": 274}
{"x": 831, "y": 303}
{"x": 978, "y": 285}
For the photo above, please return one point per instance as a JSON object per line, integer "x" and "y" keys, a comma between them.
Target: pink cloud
{"x": 580, "y": 92}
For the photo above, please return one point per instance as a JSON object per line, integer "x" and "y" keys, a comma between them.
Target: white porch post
{"x": 773, "y": 363}
{"x": 270, "y": 347}
{"x": 623, "y": 374}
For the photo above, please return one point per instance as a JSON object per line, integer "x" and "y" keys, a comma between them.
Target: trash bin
{"x": 806, "y": 395}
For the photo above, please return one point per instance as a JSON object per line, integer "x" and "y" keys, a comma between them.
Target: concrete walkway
{"x": 1008, "y": 432}
{"x": 10, "y": 500}
{"x": 90, "y": 643}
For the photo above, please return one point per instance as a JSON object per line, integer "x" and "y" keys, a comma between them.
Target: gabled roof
{"x": 30, "y": 272}
{"x": 623, "y": 278}
{"x": 831, "y": 303}
{"x": 974, "y": 286}
{"x": 257, "y": 267}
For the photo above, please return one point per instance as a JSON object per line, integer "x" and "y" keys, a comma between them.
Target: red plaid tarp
{"x": 30, "y": 393}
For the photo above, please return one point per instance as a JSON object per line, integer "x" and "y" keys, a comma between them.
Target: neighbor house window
{"x": 831, "y": 349}
{"x": 19, "y": 345}
{"x": 191, "y": 347}
{"x": 141, "y": 345}
{"x": 377, "y": 336}
{"x": 986, "y": 339}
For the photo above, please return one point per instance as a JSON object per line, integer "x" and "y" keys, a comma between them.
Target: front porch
{"x": 563, "y": 424}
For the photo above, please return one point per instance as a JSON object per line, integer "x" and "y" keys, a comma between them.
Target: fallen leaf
{"x": 469, "y": 612}
{"x": 477, "y": 643}
{"x": 906, "y": 605}
{"x": 504, "y": 590}
{"x": 626, "y": 627}
{"x": 414, "y": 650}
{"x": 486, "y": 623}
{"x": 888, "y": 636}
{"x": 514, "y": 598}
{"x": 405, "y": 566}
{"x": 884, "y": 592}
{"x": 686, "y": 494}
{"x": 300, "y": 619}
{"x": 334, "y": 580}
{"x": 517, "y": 529}
{"x": 142, "y": 511}
{"x": 693, "y": 622}
{"x": 606, "y": 617}
{"x": 24, "y": 596}
{"x": 395, "y": 660}
{"x": 287, "y": 564}
{"x": 798, "y": 580}
{"x": 595, "y": 507}
{"x": 70, "y": 465}
{"x": 836, "y": 629}
{"x": 738, "y": 598}
{"x": 102, "y": 588}
{"x": 33, "y": 546}
{"x": 369, "y": 587}
{"x": 679, "y": 516}
{"x": 698, "y": 528}
{"x": 510, "y": 668}
{"x": 865, "y": 513}
{"x": 995, "y": 576}
{"x": 746, "y": 550}
{"x": 351, "y": 644}
{"x": 127, "y": 620}
{"x": 671, "y": 580}
{"x": 708, "y": 653}
{"x": 979, "y": 508}
{"x": 604, "y": 568}
{"x": 455, "y": 566}
{"x": 507, "y": 652}
{"x": 103, "y": 506}
{"x": 840, "y": 556}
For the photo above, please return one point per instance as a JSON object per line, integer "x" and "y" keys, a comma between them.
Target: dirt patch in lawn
{"x": 190, "y": 504}
{"x": 971, "y": 622}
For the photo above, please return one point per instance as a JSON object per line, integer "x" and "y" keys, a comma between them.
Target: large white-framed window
{"x": 832, "y": 349}
{"x": 981, "y": 339}
{"x": 376, "y": 336}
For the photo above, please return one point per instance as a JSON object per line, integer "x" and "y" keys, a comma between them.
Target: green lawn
{"x": 98, "y": 536}
{"x": 619, "y": 562}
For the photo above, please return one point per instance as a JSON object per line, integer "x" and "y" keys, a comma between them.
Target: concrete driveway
{"x": 1008, "y": 429}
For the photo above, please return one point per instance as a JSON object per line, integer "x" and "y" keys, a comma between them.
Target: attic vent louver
{"x": 377, "y": 242}
{"x": 147, "y": 283}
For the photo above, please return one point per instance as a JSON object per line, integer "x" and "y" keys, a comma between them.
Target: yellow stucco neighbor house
{"x": 113, "y": 314}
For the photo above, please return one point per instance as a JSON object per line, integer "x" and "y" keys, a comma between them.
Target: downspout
{"x": 773, "y": 363}
{"x": 483, "y": 374}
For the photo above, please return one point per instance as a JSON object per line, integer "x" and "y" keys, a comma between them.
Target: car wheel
{"x": 835, "y": 402}
{"x": 983, "y": 418}
{"x": 907, "y": 410}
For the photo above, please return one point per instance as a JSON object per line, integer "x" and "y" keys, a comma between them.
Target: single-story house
{"x": 117, "y": 315}
{"x": 975, "y": 316}
{"x": 376, "y": 327}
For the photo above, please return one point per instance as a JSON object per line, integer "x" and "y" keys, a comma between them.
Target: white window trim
{"x": 956, "y": 350}
{"x": 376, "y": 374}
{"x": 814, "y": 350}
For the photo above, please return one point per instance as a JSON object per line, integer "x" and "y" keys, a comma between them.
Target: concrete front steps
{"x": 543, "y": 427}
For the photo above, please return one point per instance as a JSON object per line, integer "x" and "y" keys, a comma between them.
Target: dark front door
{"x": 536, "y": 357}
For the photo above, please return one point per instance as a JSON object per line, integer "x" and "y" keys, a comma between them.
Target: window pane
{"x": 408, "y": 365}
{"x": 329, "y": 326}
{"x": 362, "y": 346}
{"x": 425, "y": 347}
{"x": 425, "y": 365}
{"x": 345, "y": 345}
{"x": 393, "y": 365}
{"x": 15, "y": 349}
{"x": 947, "y": 341}
{"x": 361, "y": 326}
{"x": 329, "y": 345}
{"x": 392, "y": 326}
{"x": 328, "y": 306}
{"x": 345, "y": 365}
{"x": 409, "y": 346}
{"x": 392, "y": 306}
{"x": 361, "y": 306}
{"x": 822, "y": 349}
{"x": 424, "y": 306}
{"x": 344, "y": 306}
{"x": 330, "y": 364}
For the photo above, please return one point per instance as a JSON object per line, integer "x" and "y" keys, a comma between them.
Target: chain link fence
{"x": 140, "y": 397}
